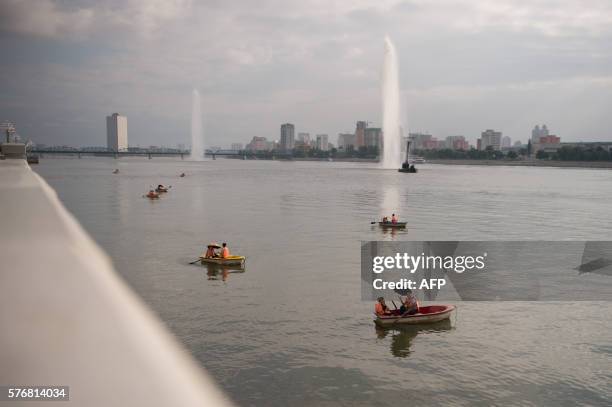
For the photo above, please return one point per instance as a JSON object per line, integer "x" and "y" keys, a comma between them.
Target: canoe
{"x": 230, "y": 261}
{"x": 408, "y": 170}
{"x": 400, "y": 225}
{"x": 427, "y": 314}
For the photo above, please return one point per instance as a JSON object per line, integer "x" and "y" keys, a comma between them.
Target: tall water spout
{"x": 391, "y": 108}
{"x": 197, "y": 138}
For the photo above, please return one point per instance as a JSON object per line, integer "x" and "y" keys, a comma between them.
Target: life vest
{"x": 225, "y": 253}
{"x": 379, "y": 309}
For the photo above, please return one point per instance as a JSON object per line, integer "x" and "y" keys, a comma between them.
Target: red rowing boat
{"x": 426, "y": 315}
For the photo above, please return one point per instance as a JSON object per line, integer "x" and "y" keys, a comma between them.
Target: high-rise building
{"x": 360, "y": 134}
{"x": 490, "y": 138}
{"x": 322, "y": 142}
{"x": 538, "y": 132}
{"x": 304, "y": 138}
{"x": 506, "y": 142}
{"x": 258, "y": 144}
{"x": 287, "y": 137}
{"x": 373, "y": 137}
{"x": 456, "y": 143}
{"x": 116, "y": 132}
{"x": 419, "y": 141}
{"x": 346, "y": 141}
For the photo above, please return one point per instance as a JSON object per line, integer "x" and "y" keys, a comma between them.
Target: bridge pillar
{"x": 79, "y": 154}
{"x": 181, "y": 156}
{"x": 214, "y": 158}
{"x": 149, "y": 156}
{"x": 115, "y": 156}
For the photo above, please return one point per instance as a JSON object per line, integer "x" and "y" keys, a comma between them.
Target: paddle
{"x": 195, "y": 261}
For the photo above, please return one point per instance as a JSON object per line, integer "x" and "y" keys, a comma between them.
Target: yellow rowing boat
{"x": 228, "y": 261}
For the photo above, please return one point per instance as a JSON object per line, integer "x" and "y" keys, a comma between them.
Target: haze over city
{"x": 465, "y": 66}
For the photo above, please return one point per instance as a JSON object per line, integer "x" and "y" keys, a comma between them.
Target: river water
{"x": 292, "y": 329}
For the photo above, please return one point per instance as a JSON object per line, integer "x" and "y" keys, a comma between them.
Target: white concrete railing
{"x": 68, "y": 319}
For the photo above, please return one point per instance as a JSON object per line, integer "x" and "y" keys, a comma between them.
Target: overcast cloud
{"x": 464, "y": 66}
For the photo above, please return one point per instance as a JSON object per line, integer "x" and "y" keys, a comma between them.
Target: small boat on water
{"x": 228, "y": 261}
{"x": 427, "y": 314}
{"x": 399, "y": 225}
{"x": 152, "y": 195}
{"x": 406, "y": 166}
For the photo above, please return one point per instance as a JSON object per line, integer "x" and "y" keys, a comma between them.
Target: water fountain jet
{"x": 391, "y": 157}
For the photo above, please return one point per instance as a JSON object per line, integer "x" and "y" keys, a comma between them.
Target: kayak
{"x": 161, "y": 190}
{"x": 426, "y": 315}
{"x": 399, "y": 225}
{"x": 229, "y": 261}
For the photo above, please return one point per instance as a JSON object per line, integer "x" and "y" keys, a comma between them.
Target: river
{"x": 292, "y": 329}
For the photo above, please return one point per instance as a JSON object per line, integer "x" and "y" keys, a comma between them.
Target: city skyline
{"x": 459, "y": 72}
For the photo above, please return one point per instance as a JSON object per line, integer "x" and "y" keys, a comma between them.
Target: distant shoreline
{"x": 529, "y": 163}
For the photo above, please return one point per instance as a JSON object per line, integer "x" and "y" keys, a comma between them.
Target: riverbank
{"x": 528, "y": 163}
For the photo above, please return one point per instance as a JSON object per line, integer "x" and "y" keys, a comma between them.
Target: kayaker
{"x": 393, "y": 219}
{"x": 225, "y": 253}
{"x": 381, "y": 308}
{"x": 410, "y": 305}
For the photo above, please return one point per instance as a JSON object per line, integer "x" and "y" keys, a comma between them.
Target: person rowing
{"x": 161, "y": 188}
{"x": 380, "y": 308}
{"x": 211, "y": 251}
{"x": 393, "y": 219}
{"x": 385, "y": 219}
{"x": 410, "y": 305}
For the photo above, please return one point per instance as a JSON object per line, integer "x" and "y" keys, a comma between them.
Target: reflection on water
{"x": 216, "y": 272}
{"x": 402, "y": 336}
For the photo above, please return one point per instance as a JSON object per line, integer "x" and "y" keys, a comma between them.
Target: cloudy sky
{"x": 465, "y": 65}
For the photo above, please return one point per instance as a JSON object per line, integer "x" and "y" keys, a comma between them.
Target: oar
{"x": 195, "y": 261}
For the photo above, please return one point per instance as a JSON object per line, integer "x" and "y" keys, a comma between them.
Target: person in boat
{"x": 211, "y": 252}
{"x": 182, "y": 174}
{"x": 116, "y": 171}
{"x": 410, "y": 305}
{"x": 152, "y": 194}
{"x": 161, "y": 188}
{"x": 225, "y": 253}
{"x": 385, "y": 219}
{"x": 393, "y": 219}
{"x": 380, "y": 308}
